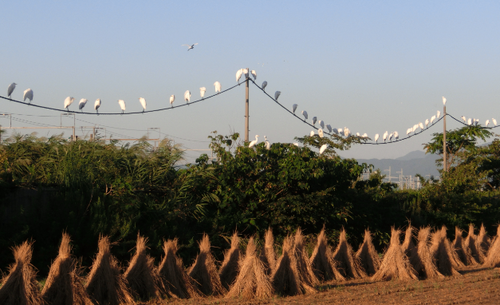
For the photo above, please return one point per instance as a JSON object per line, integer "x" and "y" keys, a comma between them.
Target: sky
{"x": 370, "y": 66}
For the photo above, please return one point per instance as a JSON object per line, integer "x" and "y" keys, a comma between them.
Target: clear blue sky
{"x": 369, "y": 65}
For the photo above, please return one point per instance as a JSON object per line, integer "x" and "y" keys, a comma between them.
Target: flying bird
{"x": 277, "y": 94}
{"x": 97, "y": 104}
{"x": 172, "y": 99}
{"x": 264, "y": 85}
{"x": 82, "y": 103}
{"x": 304, "y": 113}
{"x": 122, "y": 105}
{"x": 254, "y": 74}
{"x": 320, "y": 133}
{"x": 254, "y": 142}
{"x": 10, "y": 89}
{"x": 322, "y": 148}
{"x": 187, "y": 96}
{"x": 217, "y": 87}
{"x": 294, "y": 107}
{"x": 268, "y": 145}
{"x": 376, "y": 137}
{"x": 28, "y": 94}
{"x": 190, "y": 46}
{"x": 238, "y": 74}
{"x": 68, "y": 101}
{"x": 314, "y": 119}
{"x": 202, "y": 91}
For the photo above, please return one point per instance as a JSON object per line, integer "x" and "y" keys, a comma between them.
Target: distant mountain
{"x": 415, "y": 162}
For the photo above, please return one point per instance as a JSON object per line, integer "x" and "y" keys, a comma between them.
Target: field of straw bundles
{"x": 420, "y": 265}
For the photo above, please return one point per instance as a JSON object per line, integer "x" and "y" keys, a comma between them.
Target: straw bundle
{"x": 175, "y": 280}
{"x": 421, "y": 257}
{"x": 395, "y": 264}
{"x": 268, "y": 256}
{"x": 408, "y": 245}
{"x": 140, "y": 275}
{"x": 303, "y": 264}
{"x": 483, "y": 241}
{"x": 252, "y": 281}
{"x": 493, "y": 258}
{"x": 461, "y": 250}
{"x": 204, "y": 272}
{"x": 470, "y": 243}
{"x": 230, "y": 266}
{"x": 20, "y": 286}
{"x": 63, "y": 285}
{"x": 443, "y": 255}
{"x": 285, "y": 277}
{"x": 322, "y": 260}
{"x": 105, "y": 284}
{"x": 367, "y": 255}
{"x": 346, "y": 260}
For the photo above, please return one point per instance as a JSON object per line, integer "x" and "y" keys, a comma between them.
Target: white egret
{"x": 329, "y": 127}
{"x": 494, "y": 121}
{"x": 190, "y": 46}
{"x": 322, "y": 148}
{"x": 202, "y": 91}
{"x": 384, "y": 137}
{"x": 487, "y": 123}
{"x": 68, "y": 101}
{"x": 426, "y": 123}
{"x": 28, "y": 94}
{"x": 82, "y": 103}
{"x": 254, "y": 142}
{"x": 172, "y": 99}
{"x": 357, "y": 134}
{"x": 376, "y": 137}
{"x": 296, "y": 144}
{"x": 408, "y": 131}
{"x": 414, "y": 127}
{"x": 294, "y": 107}
{"x": 143, "y": 103}
{"x": 254, "y": 74}
{"x": 304, "y": 113}
{"x": 421, "y": 126}
{"x": 341, "y": 131}
{"x": 346, "y": 131}
{"x": 10, "y": 89}
{"x": 264, "y": 85}
{"x": 476, "y": 122}
{"x": 321, "y": 123}
{"x": 464, "y": 118}
{"x": 122, "y": 105}
{"x": 444, "y": 101}
{"x": 311, "y": 134}
{"x": 97, "y": 104}
{"x": 217, "y": 87}
{"x": 238, "y": 74}
{"x": 187, "y": 96}
{"x": 335, "y": 131}
{"x": 314, "y": 119}
{"x": 277, "y": 94}
{"x": 433, "y": 118}
{"x": 396, "y": 135}
{"x": 390, "y": 136}
{"x": 245, "y": 71}
{"x": 469, "y": 121}
{"x": 365, "y": 135}
{"x": 320, "y": 133}
{"x": 438, "y": 114}
{"x": 268, "y": 145}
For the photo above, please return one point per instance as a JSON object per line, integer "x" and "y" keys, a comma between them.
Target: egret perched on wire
{"x": 294, "y": 107}
{"x": 314, "y": 119}
{"x": 376, "y": 137}
{"x": 469, "y": 121}
{"x": 433, "y": 118}
{"x": 238, "y": 74}
{"x": 187, "y": 96}
{"x": 321, "y": 123}
{"x": 390, "y": 136}
{"x": 217, "y": 87}
{"x": 143, "y": 103}
{"x": 202, "y": 91}
{"x": 320, "y": 133}
{"x": 304, "y": 113}
{"x": 438, "y": 114}
{"x": 408, "y": 131}
{"x": 172, "y": 99}
{"x": 329, "y": 127}
{"x": 487, "y": 123}
{"x": 68, "y": 101}
{"x": 264, "y": 85}
{"x": 365, "y": 135}
{"x": 421, "y": 126}
{"x": 10, "y": 89}
{"x": 190, "y": 46}
{"x": 97, "y": 104}
{"x": 122, "y": 105}
{"x": 277, "y": 94}
{"x": 335, "y": 131}
{"x": 82, "y": 103}
{"x": 254, "y": 142}
{"x": 347, "y": 132}
{"x": 384, "y": 137}
{"x": 28, "y": 94}
{"x": 268, "y": 145}
{"x": 311, "y": 134}
{"x": 245, "y": 71}
{"x": 494, "y": 121}
{"x": 396, "y": 135}
{"x": 254, "y": 74}
{"x": 464, "y": 119}
{"x": 322, "y": 148}
{"x": 426, "y": 123}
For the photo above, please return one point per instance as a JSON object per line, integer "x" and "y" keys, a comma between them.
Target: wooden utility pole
{"x": 247, "y": 107}
{"x": 445, "y": 165}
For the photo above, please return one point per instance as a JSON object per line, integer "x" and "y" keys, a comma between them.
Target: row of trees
{"x": 90, "y": 188}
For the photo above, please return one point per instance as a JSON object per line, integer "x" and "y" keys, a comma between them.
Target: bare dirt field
{"x": 475, "y": 286}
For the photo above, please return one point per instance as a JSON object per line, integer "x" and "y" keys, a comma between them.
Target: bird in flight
{"x": 190, "y": 46}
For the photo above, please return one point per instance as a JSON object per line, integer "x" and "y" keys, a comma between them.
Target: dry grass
{"x": 322, "y": 260}
{"x": 421, "y": 257}
{"x": 20, "y": 287}
{"x": 303, "y": 264}
{"x": 141, "y": 276}
{"x": 175, "y": 281}
{"x": 368, "y": 256}
{"x": 446, "y": 259}
{"x": 470, "y": 244}
{"x": 493, "y": 257}
{"x": 105, "y": 284}
{"x": 395, "y": 264}
{"x": 483, "y": 241}
{"x": 252, "y": 281}
{"x": 63, "y": 285}
{"x": 230, "y": 266}
{"x": 268, "y": 255}
{"x": 408, "y": 245}
{"x": 462, "y": 251}
{"x": 345, "y": 259}
{"x": 204, "y": 272}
